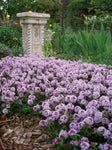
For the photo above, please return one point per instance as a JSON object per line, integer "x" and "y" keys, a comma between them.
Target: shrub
{"x": 74, "y": 98}
{"x": 11, "y": 35}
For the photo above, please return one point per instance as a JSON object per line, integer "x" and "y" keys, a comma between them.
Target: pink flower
{"x": 30, "y": 102}
{"x": 84, "y": 145}
{"x": 36, "y": 108}
{"x": 75, "y": 143}
{"x": 110, "y": 126}
{"x": 72, "y": 132}
{"x": 82, "y": 113}
{"x": 5, "y": 111}
{"x": 98, "y": 117}
{"x": 43, "y": 123}
{"x": 63, "y": 133}
{"x": 73, "y": 125}
{"x": 89, "y": 121}
{"x": 63, "y": 119}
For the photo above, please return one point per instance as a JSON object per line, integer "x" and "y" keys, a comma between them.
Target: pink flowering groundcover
{"x": 73, "y": 99}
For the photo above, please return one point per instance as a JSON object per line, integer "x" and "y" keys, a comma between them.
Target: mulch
{"x": 19, "y": 133}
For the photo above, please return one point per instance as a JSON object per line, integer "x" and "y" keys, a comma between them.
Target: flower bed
{"x": 74, "y": 99}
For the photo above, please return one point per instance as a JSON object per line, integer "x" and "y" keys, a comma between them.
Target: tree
{"x": 100, "y": 7}
{"x": 49, "y": 6}
{"x": 62, "y": 15}
{"x": 2, "y": 9}
{"x": 13, "y": 7}
{"x": 74, "y": 13}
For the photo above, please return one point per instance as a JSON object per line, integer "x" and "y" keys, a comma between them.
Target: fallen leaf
{"x": 8, "y": 132}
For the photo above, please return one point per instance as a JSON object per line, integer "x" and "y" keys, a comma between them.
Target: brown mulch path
{"x": 22, "y": 134}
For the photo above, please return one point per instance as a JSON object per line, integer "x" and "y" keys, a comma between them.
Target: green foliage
{"x": 11, "y": 36}
{"x": 76, "y": 9}
{"x": 97, "y": 21}
{"x": 47, "y": 48}
{"x": 22, "y": 108}
{"x": 13, "y": 7}
{"x": 49, "y": 6}
{"x": 64, "y": 147}
{"x": 5, "y": 51}
{"x": 107, "y": 57}
{"x": 100, "y": 7}
{"x": 17, "y": 50}
{"x": 74, "y": 13}
{"x": 92, "y": 46}
{"x": 56, "y": 38}
{"x": 95, "y": 44}
{"x": 100, "y": 11}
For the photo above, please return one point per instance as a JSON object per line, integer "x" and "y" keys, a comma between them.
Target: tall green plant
{"x": 56, "y": 38}
{"x": 94, "y": 43}
{"x": 90, "y": 45}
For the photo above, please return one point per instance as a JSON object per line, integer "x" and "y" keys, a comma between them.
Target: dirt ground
{"x": 22, "y": 134}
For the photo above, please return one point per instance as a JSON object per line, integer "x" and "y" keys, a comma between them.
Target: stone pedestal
{"x": 33, "y": 32}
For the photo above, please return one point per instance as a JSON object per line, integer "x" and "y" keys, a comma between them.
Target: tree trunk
{"x": 62, "y": 15}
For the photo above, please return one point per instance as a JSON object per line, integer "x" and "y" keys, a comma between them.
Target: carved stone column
{"x": 33, "y": 31}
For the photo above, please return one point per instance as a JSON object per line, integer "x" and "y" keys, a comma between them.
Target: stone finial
{"x": 33, "y": 31}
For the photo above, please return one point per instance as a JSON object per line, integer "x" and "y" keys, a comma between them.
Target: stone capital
{"x": 33, "y": 18}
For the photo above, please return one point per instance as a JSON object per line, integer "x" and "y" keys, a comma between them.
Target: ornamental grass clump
{"x": 74, "y": 99}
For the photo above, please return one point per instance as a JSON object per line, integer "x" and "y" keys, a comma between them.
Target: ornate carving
{"x": 29, "y": 44}
{"x": 25, "y": 38}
